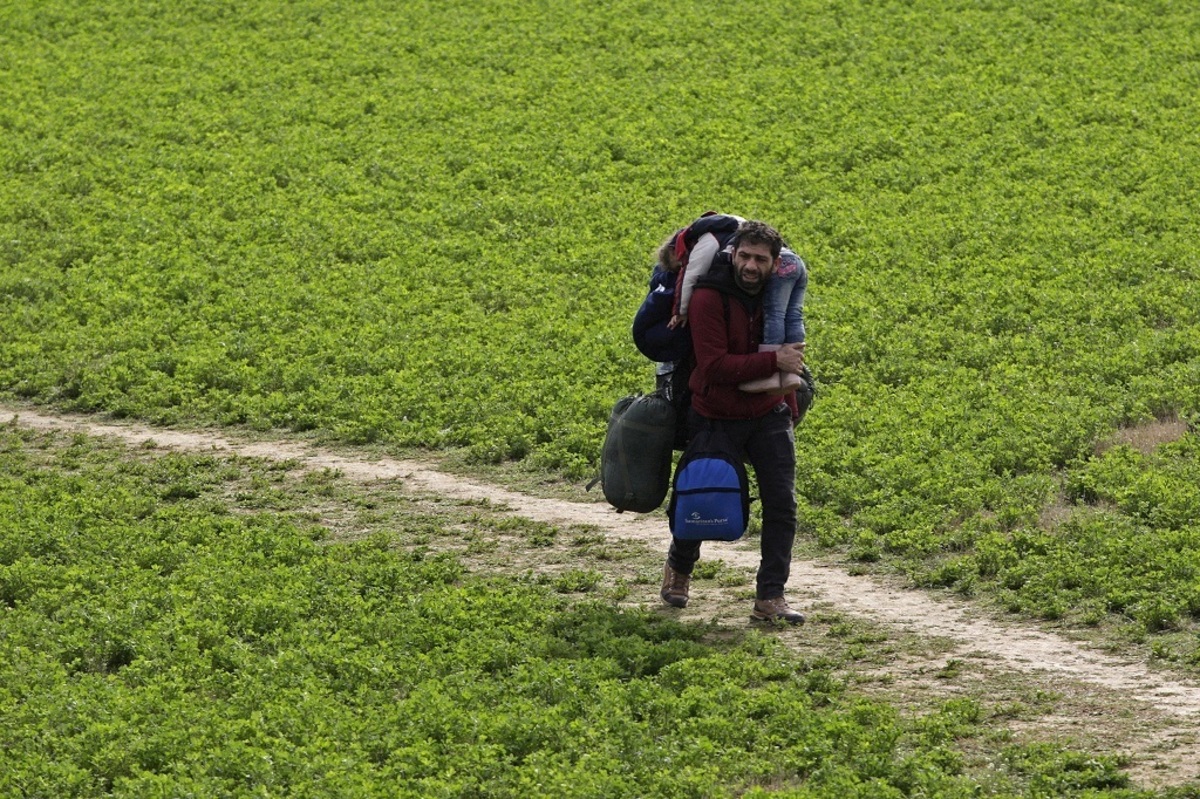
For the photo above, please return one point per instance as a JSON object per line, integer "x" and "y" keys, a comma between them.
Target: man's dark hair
{"x": 754, "y": 232}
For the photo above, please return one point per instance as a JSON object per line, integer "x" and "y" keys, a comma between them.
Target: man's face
{"x": 752, "y": 265}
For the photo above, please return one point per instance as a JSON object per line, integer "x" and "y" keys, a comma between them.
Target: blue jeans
{"x": 768, "y": 443}
{"x": 783, "y": 307}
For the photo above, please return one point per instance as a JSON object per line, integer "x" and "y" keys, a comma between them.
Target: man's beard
{"x": 749, "y": 288}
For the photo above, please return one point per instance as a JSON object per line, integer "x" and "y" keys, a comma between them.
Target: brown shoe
{"x": 675, "y": 587}
{"x": 775, "y": 610}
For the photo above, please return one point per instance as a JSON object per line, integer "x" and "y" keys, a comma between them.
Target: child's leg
{"x": 793, "y": 314}
{"x": 783, "y": 302}
{"x": 793, "y": 324}
{"x": 776, "y": 297}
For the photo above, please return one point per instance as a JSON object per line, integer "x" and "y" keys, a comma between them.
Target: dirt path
{"x": 1018, "y": 648}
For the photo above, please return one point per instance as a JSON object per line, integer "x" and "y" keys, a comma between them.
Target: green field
{"x": 427, "y": 227}
{"x": 186, "y": 626}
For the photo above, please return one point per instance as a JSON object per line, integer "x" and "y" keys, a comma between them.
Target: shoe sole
{"x": 675, "y": 602}
{"x": 776, "y": 620}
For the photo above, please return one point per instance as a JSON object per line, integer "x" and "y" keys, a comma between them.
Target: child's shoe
{"x": 789, "y": 382}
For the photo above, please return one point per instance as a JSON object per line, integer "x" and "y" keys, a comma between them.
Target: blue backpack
{"x": 710, "y": 497}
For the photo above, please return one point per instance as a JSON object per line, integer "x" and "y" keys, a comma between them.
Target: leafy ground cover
{"x": 429, "y": 227}
{"x": 186, "y": 625}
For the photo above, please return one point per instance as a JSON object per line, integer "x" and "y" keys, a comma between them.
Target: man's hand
{"x": 790, "y": 358}
{"x": 678, "y": 320}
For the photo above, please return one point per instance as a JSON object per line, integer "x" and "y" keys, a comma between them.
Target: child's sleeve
{"x": 699, "y": 262}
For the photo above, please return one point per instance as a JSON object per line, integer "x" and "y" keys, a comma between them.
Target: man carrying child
{"x": 725, "y": 318}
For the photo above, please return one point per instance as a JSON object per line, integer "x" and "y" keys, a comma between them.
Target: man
{"x": 726, "y": 322}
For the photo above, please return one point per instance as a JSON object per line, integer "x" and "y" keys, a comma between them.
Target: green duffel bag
{"x": 635, "y": 464}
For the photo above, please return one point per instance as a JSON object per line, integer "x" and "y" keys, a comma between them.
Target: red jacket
{"x": 726, "y": 352}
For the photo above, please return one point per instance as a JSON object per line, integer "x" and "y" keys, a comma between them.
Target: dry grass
{"x": 1148, "y": 436}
